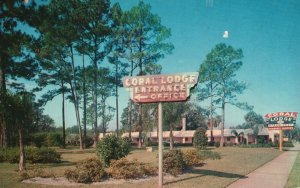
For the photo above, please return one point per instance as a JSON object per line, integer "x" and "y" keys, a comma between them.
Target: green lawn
{"x": 235, "y": 163}
{"x": 294, "y": 177}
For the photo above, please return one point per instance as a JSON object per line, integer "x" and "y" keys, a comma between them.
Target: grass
{"x": 294, "y": 178}
{"x": 235, "y": 163}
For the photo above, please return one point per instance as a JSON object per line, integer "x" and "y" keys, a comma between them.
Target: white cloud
{"x": 225, "y": 34}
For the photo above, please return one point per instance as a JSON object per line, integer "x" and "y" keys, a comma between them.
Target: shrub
{"x": 261, "y": 140}
{"x": 288, "y": 144}
{"x": 47, "y": 139}
{"x": 112, "y": 147}
{"x": 54, "y": 139}
{"x": 211, "y": 143}
{"x": 173, "y": 162}
{"x": 72, "y": 139}
{"x": 285, "y": 144}
{"x": 1, "y": 157}
{"x": 124, "y": 169}
{"x": 200, "y": 138}
{"x": 275, "y": 143}
{"x": 89, "y": 141}
{"x": 39, "y": 139}
{"x": 32, "y": 155}
{"x": 183, "y": 144}
{"x": 217, "y": 144}
{"x": 267, "y": 145}
{"x": 192, "y": 158}
{"x": 42, "y": 155}
{"x": 36, "y": 172}
{"x": 207, "y": 154}
{"x": 23, "y": 175}
{"x": 148, "y": 142}
{"x": 229, "y": 144}
{"x": 86, "y": 171}
{"x": 11, "y": 155}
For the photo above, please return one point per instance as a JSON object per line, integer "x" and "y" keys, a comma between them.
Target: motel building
{"x": 244, "y": 136}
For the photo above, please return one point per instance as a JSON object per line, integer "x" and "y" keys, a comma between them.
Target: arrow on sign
{"x": 139, "y": 97}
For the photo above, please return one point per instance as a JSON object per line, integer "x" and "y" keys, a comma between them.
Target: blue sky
{"x": 267, "y": 31}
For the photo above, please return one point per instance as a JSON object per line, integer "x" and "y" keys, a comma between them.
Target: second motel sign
{"x": 281, "y": 120}
{"x": 160, "y": 88}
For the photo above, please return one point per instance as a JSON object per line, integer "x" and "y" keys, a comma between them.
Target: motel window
{"x": 228, "y": 138}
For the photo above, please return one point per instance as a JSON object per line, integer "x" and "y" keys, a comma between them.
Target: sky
{"x": 267, "y": 31}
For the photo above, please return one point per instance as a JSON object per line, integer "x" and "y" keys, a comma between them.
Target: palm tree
{"x": 235, "y": 133}
{"x": 239, "y": 135}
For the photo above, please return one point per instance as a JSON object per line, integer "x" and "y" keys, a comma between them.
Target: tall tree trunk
{"x": 117, "y": 100}
{"x": 78, "y": 123}
{"x": 103, "y": 115}
{"x": 63, "y": 114}
{"x": 140, "y": 74}
{"x": 21, "y": 152}
{"x": 76, "y": 104}
{"x": 3, "y": 133}
{"x": 95, "y": 101}
{"x": 2, "y": 79}
{"x": 2, "y": 116}
{"x": 84, "y": 103}
{"x": 223, "y": 125}
{"x": 130, "y": 102}
{"x": 211, "y": 112}
{"x": 211, "y": 118}
{"x": 129, "y": 118}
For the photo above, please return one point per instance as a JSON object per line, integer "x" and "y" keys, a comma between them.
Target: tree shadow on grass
{"x": 216, "y": 173}
{"x": 47, "y": 165}
{"x": 62, "y": 163}
{"x": 203, "y": 172}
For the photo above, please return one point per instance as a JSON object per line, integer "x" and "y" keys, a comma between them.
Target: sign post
{"x": 281, "y": 121}
{"x": 158, "y": 89}
{"x": 160, "y": 146}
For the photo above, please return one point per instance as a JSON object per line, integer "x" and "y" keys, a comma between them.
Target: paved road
{"x": 273, "y": 174}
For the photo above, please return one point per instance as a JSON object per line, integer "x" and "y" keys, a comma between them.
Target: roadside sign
{"x": 158, "y": 89}
{"x": 281, "y": 120}
{"x": 161, "y": 88}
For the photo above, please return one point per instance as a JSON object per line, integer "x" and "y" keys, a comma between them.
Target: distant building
{"x": 244, "y": 136}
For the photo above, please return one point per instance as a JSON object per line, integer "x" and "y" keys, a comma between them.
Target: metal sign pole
{"x": 160, "y": 145}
